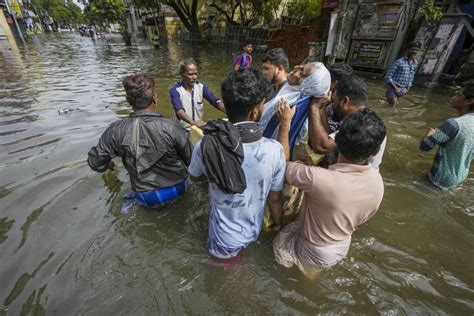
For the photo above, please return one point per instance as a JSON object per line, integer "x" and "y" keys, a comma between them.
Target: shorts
{"x": 391, "y": 93}
{"x": 290, "y": 248}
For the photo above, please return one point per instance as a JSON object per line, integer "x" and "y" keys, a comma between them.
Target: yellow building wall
{"x": 5, "y": 27}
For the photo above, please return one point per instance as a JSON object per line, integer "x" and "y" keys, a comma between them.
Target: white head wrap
{"x": 316, "y": 84}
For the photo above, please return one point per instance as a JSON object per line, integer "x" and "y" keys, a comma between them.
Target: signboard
{"x": 377, "y": 20}
{"x": 16, "y": 7}
{"x": 388, "y": 17}
{"x": 368, "y": 54}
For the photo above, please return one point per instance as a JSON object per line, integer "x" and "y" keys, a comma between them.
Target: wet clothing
{"x": 392, "y": 94}
{"x": 291, "y": 249}
{"x": 154, "y": 198}
{"x": 401, "y": 72}
{"x": 336, "y": 201}
{"x": 244, "y": 60}
{"x": 455, "y": 138}
{"x": 223, "y": 153}
{"x": 154, "y": 150}
{"x": 235, "y": 220}
{"x": 192, "y": 102}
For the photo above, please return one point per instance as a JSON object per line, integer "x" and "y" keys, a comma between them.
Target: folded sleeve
{"x": 300, "y": 175}
{"x": 175, "y": 99}
{"x": 443, "y": 134}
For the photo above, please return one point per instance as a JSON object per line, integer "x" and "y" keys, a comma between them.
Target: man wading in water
{"x": 154, "y": 150}
{"x": 244, "y": 169}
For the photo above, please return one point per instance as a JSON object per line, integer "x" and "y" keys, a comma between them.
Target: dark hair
{"x": 340, "y": 71}
{"x": 360, "y": 135}
{"x": 354, "y": 88}
{"x": 184, "y": 63}
{"x": 468, "y": 89}
{"x": 246, "y": 42}
{"x": 277, "y": 57}
{"x": 242, "y": 91}
{"x": 140, "y": 90}
{"x": 414, "y": 44}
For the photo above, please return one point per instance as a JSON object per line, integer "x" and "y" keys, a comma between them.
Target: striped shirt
{"x": 455, "y": 138}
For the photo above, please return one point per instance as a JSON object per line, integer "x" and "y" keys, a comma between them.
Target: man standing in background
{"x": 399, "y": 77}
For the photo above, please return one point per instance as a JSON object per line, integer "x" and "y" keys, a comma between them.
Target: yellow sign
{"x": 16, "y": 7}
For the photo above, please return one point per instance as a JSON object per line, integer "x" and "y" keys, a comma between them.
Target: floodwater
{"x": 66, "y": 249}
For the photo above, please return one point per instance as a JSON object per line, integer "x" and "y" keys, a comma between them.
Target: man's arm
{"x": 100, "y": 157}
{"x": 211, "y": 98}
{"x": 319, "y": 139}
{"x": 183, "y": 146}
{"x": 182, "y": 115}
{"x": 443, "y": 134}
{"x": 389, "y": 76}
{"x": 196, "y": 168}
{"x": 179, "y": 109}
{"x": 238, "y": 62}
{"x": 285, "y": 114}
{"x": 275, "y": 202}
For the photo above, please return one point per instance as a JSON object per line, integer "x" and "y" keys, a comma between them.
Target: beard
{"x": 338, "y": 113}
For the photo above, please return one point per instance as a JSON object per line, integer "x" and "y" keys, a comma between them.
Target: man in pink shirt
{"x": 336, "y": 200}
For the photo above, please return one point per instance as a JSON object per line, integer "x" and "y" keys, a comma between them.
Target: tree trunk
{"x": 188, "y": 16}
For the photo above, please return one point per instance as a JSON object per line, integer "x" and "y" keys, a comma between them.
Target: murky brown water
{"x": 66, "y": 249}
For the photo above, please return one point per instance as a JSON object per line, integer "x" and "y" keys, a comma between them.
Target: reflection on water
{"x": 66, "y": 248}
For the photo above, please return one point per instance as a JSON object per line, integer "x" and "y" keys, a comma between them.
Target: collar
{"x": 137, "y": 114}
{"x": 243, "y": 122}
{"x": 350, "y": 168}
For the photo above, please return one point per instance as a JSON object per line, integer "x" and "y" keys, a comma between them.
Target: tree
{"x": 187, "y": 13}
{"x": 62, "y": 11}
{"x": 246, "y": 12}
{"x": 304, "y": 10}
{"x": 185, "y": 9}
{"x": 109, "y": 11}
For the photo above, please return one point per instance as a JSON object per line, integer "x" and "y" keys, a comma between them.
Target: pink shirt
{"x": 336, "y": 200}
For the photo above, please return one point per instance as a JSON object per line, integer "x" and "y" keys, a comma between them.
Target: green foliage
{"x": 246, "y": 12}
{"x": 110, "y": 11}
{"x": 305, "y": 10}
{"x": 430, "y": 12}
{"x": 62, "y": 11}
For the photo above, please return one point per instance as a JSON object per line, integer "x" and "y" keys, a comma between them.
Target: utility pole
{"x": 15, "y": 21}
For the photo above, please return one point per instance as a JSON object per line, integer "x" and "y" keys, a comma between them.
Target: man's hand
{"x": 321, "y": 102}
{"x": 111, "y": 165}
{"x": 199, "y": 123}
{"x": 430, "y": 132}
{"x": 276, "y": 227}
{"x": 398, "y": 92}
{"x": 221, "y": 106}
{"x": 285, "y": 113}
